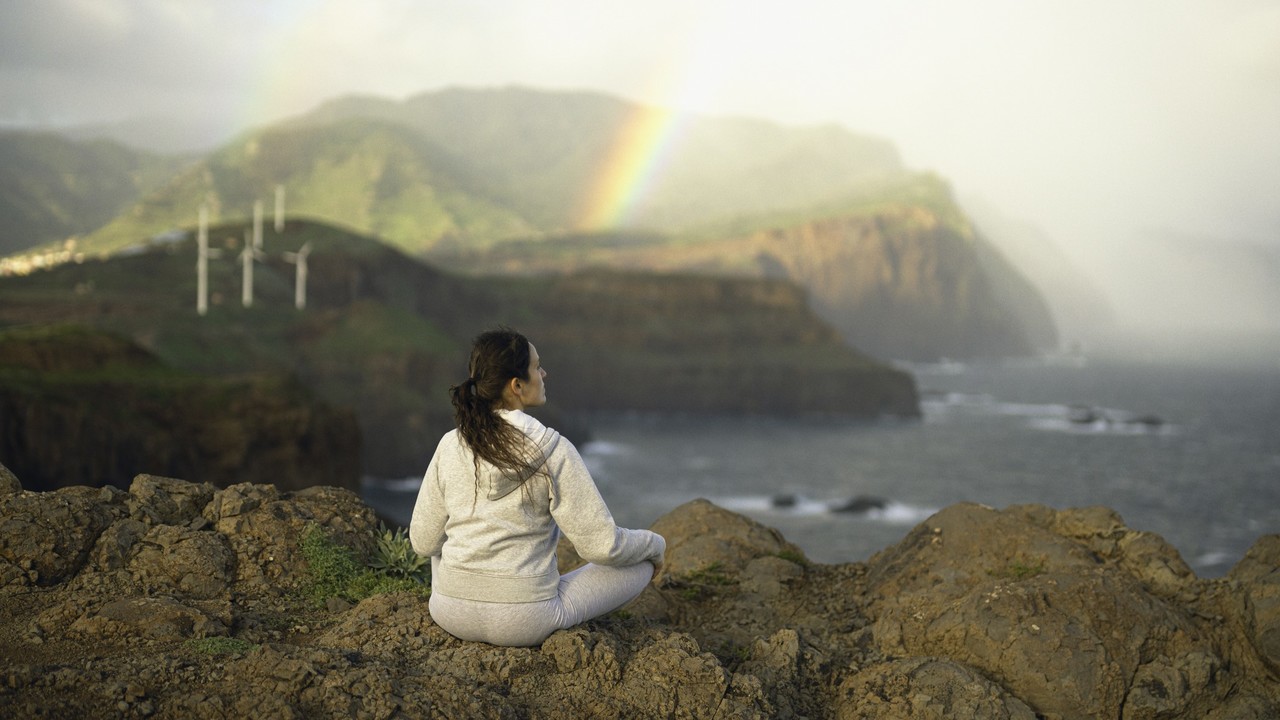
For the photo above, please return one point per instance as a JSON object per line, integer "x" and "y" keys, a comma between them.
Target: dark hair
{"x": 497, "y": 356}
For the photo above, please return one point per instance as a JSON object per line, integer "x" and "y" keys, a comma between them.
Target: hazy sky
{"x": 1098, "y": 121}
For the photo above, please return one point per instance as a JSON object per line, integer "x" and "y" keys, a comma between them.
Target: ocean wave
{"x": 889, "y": 512}
{"x": 1214, "y": 559}
{"x": 1054, "y": 417}
{"x": 605, "y": 448}
{"x": 408, "y": 484}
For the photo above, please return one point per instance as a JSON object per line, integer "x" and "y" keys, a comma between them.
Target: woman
{"x": 496, "y": 496}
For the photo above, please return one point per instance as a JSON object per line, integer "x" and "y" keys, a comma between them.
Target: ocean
{"x": 1190, "y": 452}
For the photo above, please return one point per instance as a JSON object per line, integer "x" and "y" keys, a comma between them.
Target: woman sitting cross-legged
{"x": 496, "y": 496}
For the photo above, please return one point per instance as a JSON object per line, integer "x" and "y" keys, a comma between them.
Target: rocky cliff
{"x": 386, "y": 336}
{"x": 83, "y": 407}
{"x": 906, "y": 277}
{"x": 179, "y": 600}
{"x": 903, "y": 284}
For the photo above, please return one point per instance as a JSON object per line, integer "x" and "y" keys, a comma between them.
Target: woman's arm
{"x": 426, "y": 527}
{"x": 585, "y": 520}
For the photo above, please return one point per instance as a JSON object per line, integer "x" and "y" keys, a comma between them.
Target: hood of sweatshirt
{"x": 542, "y": 441}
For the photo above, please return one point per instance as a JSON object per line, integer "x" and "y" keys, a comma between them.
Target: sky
{"x": 1104, "y": 124}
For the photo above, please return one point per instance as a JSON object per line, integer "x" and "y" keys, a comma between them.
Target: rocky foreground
{"x": 109, "y": 599}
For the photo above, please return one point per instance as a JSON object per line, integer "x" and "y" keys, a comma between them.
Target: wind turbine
{"x": 257, "y": 225}
{"x": 279, "y": 217}
{"x": 247, "y": 256}
{"x": 300, "y": 283}
{"x": 203, "y": 253}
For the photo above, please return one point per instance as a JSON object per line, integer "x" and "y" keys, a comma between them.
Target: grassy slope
{"x": 52, "y": 188}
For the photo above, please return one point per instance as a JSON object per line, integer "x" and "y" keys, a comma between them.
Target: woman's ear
{"x": 511, "y": 393}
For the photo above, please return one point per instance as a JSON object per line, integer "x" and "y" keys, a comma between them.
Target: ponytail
{"x": 497, "y": 356}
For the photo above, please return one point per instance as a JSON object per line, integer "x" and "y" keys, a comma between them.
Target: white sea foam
{"x": 408, "y": 484}
{"x": 792, "y": 505}
{"x": 896, "y": 513}
{"x": 1214, "y": 559}
{"x": 1053, "y": 417}
{"x": 891, "y": 513}
{"x": 605, "y": 448}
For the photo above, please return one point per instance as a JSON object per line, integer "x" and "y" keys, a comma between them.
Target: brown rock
{"x": 264, "y": 528}
{"x": 155, "y": 618}
{"x": 1258, "y": 574}
{"x": 701, "y": 535}
{"x": 9, "y": 484}
{"x": 925, "y": 689}
{"x": 1038, "y": 612}
{"x": 194, "y": 564}
{"x": 167, "y": 501}
{"x": 49, "y": 535}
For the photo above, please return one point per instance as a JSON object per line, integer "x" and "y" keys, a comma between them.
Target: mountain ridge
{"x": 463, "y": 171}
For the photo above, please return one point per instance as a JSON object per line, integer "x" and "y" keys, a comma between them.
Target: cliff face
{"x": 177, "y": 599}
{"x": 905, "y": 276}
{"x": 903, "y": 284}
{"x": 87, "y": 408}
{"x": 704, "y": 344}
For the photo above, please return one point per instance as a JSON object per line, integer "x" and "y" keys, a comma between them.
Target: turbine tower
{"x": 247, "y": 256}
{"x": 300, "y": 283}
{"x": 203, "y": 253}
{"x": 257, "y": 225}
{"x": 279, "y": 216}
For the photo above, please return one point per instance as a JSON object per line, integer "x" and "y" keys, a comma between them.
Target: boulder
{"x": 701, "y": 535}
{"x": 167, "y": 501}
{"x": 264, "y": 528}
{"x": 152, "y": 618}
{"x": 1257, "y": 576}
{"x": 192, "y": 563}
{"x": 1069, "y": 632}
{"x": 925, "y": 689}
{"x": 47, "y": 537}
{"x": 9, "y": 484}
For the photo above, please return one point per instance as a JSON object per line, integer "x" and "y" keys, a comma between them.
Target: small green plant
{"x": 396, "y": 557}
{"x": 220, "y": 646}
{"x": 1020, "y": 568}
{"x": 794, "y": 556}
{"x": 710, "y": 575}
{"x": 702, "y": 582}
{"x": 335, "y": 572}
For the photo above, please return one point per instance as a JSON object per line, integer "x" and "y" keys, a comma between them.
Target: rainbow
{"x": 629, "y": 169}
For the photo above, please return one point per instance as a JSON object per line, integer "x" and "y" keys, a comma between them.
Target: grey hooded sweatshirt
{"x": 495, "y": 541}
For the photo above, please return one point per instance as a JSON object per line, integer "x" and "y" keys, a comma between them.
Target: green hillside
{"x": 544, "y": 151}
{"x": 371, "y": 176}
{"x": 466, "y": 168}
{"x": 52, "y": 188}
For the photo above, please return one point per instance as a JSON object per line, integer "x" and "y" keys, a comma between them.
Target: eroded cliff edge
{"x": 977, "y": 612}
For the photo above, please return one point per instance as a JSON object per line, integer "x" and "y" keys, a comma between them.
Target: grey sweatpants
{"x": 585, "y": 593}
